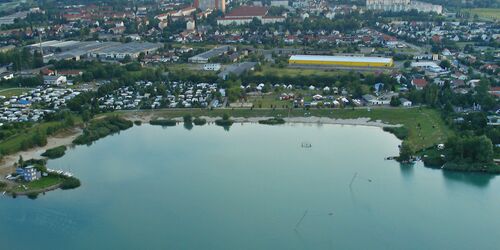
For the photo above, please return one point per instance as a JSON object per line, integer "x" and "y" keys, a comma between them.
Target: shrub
{"x": 472, "y": 167}
{"x": 400, "y": 132}
{"x": 187, "y": 119}
{"x": 163, "y": 122}
{"x": 3, "y": 185}
{"x": 138, "y": 123}
{"x": 199, "y": 121}
{"x": 102, "y": 128}
{"x": 32, "y": 195}
{"x": 70, "y": 183}
{"x": 433, "y": 161}
{"x": 54, "y": 153}
{"x": 272, "y": 121}
{"x": 224, "y": 123}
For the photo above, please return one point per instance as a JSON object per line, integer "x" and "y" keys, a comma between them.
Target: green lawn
{"x": 431, "y": 131}
{"x": 13, "y": 91}
{"x": 463, "y": 44}
{"x": 294, "y": 72}
{"x": 44, "y": 182}
{"x": 486, "y": 13}
{"x": 266, "y": 101}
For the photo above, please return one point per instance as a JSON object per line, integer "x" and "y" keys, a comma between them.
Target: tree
{"x": 86, "y": 115}
{"x": 20, "y": 162}
{"x": 141, "y": 56}
{"x": 127, "y": 59}
{"x": 445, "y": 64}
{"x": 405, "y": 152}
{"x": 407, "y": 64}
{"x": 187, "y": 118}
{"x": 395, "y": 101}
{"x": 87, "y": 76}
{"x": 472, "y": 149}
{"x": 39, "y": 138}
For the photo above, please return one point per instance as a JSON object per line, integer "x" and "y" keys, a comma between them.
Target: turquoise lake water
{"x": 254, "y": 187}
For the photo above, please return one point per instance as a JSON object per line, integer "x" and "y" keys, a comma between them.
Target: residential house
{"x": 29, "y": 173}
{"x": 55, "y": 80}
{"x": 419, "y": 83}
{"x": 405, "y": 102}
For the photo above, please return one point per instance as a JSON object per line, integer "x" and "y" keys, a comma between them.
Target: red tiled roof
{"x": 419, "y": 82}
{"x": 70, "y": 72}
{"x": 244, "y": 11}
{"x": 495, "y": 89}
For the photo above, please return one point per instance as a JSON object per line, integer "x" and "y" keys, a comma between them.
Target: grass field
{"x": 266, "y": 101}
{"x": 426, "y": 128}
{"x": 43, "y": 183}
{"x": 484, "y": 13}
{"x": 13, "y": 91}
{"x": 294, "y": 72}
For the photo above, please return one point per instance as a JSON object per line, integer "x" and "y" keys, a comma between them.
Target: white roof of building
{"x": 424, "y": 64}
{"x": 342, "y": 58}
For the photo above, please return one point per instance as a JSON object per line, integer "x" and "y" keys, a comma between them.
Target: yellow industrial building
{"x": 348, "y": 61}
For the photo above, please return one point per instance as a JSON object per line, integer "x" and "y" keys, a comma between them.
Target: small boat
{"x": 3, "y": 192}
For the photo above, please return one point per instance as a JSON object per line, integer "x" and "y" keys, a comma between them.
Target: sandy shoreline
{"x": 7, "y": 163}
{"x": 66, "y": 139}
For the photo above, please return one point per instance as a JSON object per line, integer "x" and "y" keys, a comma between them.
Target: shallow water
{"x": 254, "y": 187}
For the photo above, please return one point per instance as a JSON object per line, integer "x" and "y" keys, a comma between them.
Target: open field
{"x": 265, "y": 101}
{"x": 294, "y": 72}
{"x": 13, "y": 91}
{"x": 426, "y": 128}
{"x": 485, "y": 13}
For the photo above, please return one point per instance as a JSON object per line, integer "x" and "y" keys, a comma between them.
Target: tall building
{"x": 402, "y": 5}
{"x": 388, "y": 5}
{"x": 210, "y": 4}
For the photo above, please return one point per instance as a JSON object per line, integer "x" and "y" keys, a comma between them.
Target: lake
{"x": 254, "y": 187}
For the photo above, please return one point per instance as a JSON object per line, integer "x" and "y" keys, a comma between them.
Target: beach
{"x": 62, "y": 139}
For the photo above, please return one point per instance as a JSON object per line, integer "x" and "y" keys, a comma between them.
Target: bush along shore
{"x": 54, "y": 153}
{"x": 47, "y": 180}
{"x": 163, "y": 122}
{"x": 459, "y": 153}
{"x": 101, "y": 128}
{"x": 272, "y": 121}
{"x": 199, "y": 121}
{"x": 400, "y": 132}
{"x": 225, "y": 121}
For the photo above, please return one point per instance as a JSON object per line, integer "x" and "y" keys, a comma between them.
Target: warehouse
{"x": 76, "y": 50}
{"x": 207, "y": 55}
{"x": 120, "y": 51}
{"x": 349, "y": 61}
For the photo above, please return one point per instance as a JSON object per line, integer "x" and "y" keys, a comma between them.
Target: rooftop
{"x": 342, "y": 58}
{"x": 245, "y": 11}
